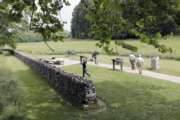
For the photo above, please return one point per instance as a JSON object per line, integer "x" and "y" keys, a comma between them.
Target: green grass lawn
{"x": 11, "y": 94}
{"x": 41, "y": 102}
{"x": 86, "y": 46}
{"x": 128, "y": 96}
{"x": 134, "y": 97}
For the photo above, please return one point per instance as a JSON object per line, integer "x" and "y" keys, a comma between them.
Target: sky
{"x": 66, "y": 14}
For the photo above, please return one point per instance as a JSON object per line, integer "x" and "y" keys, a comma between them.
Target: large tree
{"x": 42, "y": 17}
{"x": 80, "y": 26}
{"x": 147, "y": 19}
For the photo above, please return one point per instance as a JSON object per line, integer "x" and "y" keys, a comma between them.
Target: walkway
{"x": 146, "y": 73}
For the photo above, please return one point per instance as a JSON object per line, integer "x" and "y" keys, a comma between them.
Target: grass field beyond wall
{"x": 87, "y": 46}
{"x": 170, "y": 65}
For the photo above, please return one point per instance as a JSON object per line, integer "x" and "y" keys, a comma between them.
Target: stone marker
{"x": 53, "y": 60}
{"x": 155, "y": 64}
{"x": 132, "y": 59}
{"x": 139, "y": 63}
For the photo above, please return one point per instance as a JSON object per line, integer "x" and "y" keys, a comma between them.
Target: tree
{"x": 43, "y": 16}
{"x": 80, "y": 27}
{"x": 146, "y": 19}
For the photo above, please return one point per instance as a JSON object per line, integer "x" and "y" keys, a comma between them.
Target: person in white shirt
{"x": 139, "y": 63}
{"x": 155, "y": 64}
{"x": 132, "y": 59}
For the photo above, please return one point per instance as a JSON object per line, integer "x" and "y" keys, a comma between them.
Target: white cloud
{"x": 66, "y": 14}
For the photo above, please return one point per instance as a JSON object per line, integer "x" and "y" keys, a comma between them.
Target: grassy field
{"x": 11, "y": 94}
{"x": 41, "y": 102}
{"x": 128, "y": 97}
{"x": 133, "y": 97}
{"x": 87, "y": 46}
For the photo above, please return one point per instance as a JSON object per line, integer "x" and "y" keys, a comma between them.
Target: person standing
{"x": 132, "y": 59}
{"x": 140, "y": 62}
{"x": 155, "y": 64}
{"x": 84, "y": 67}
{"x": 94, "y": 57}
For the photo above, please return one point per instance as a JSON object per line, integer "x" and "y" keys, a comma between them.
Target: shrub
{"x": 70, "y": 52}
{"x": 12, "y": 113}
{"x": 127, "y": 46}
{"x": 95, "y": 53}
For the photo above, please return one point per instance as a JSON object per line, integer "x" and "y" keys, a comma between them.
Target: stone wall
{"x": 73, "y": 88}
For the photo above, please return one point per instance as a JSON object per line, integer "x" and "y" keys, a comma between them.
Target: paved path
{"x": 68, "y": 62}
{"x": 147, "y": 73}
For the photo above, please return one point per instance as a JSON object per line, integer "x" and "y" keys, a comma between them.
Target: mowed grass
{"x": 133, "y": 97}
{"x": 87, "y": 46}
{"x": 41, "y": 102}
{"x": 59, "y": 47}
{"x": 127, "y": 96}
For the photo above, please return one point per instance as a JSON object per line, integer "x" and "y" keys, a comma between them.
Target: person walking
{"x": 84, "y": 67}
{"x": 132, "y": 59}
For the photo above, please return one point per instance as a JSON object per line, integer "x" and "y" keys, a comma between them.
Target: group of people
{"x": 136, "y": 62}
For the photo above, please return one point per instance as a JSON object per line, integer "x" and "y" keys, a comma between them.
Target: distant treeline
{"x": 81, "y": 27}
{"x": 30, "y": 36}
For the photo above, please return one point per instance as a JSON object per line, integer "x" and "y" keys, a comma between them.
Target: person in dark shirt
{"x": 94, "y": 57}
{"x": 84, "y": 67}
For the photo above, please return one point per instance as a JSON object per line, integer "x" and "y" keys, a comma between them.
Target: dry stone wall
{"x": 73, "y": 88}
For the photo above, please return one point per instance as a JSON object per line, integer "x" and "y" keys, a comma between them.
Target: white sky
{"x": 66, "y": 13}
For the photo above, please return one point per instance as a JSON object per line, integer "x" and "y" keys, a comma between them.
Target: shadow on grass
{"x": 126, "y": 100}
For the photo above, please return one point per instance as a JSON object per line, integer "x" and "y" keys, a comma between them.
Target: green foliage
{"x": 127, "y": 46}
{"x": 28, "y": 36}
{"x": 105, "y": 18}
{"x": 43, "y": 18}
{"x": 80, "y": 27}
{"x": 142, "y": 18}
{"x": 6, "y": 38}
